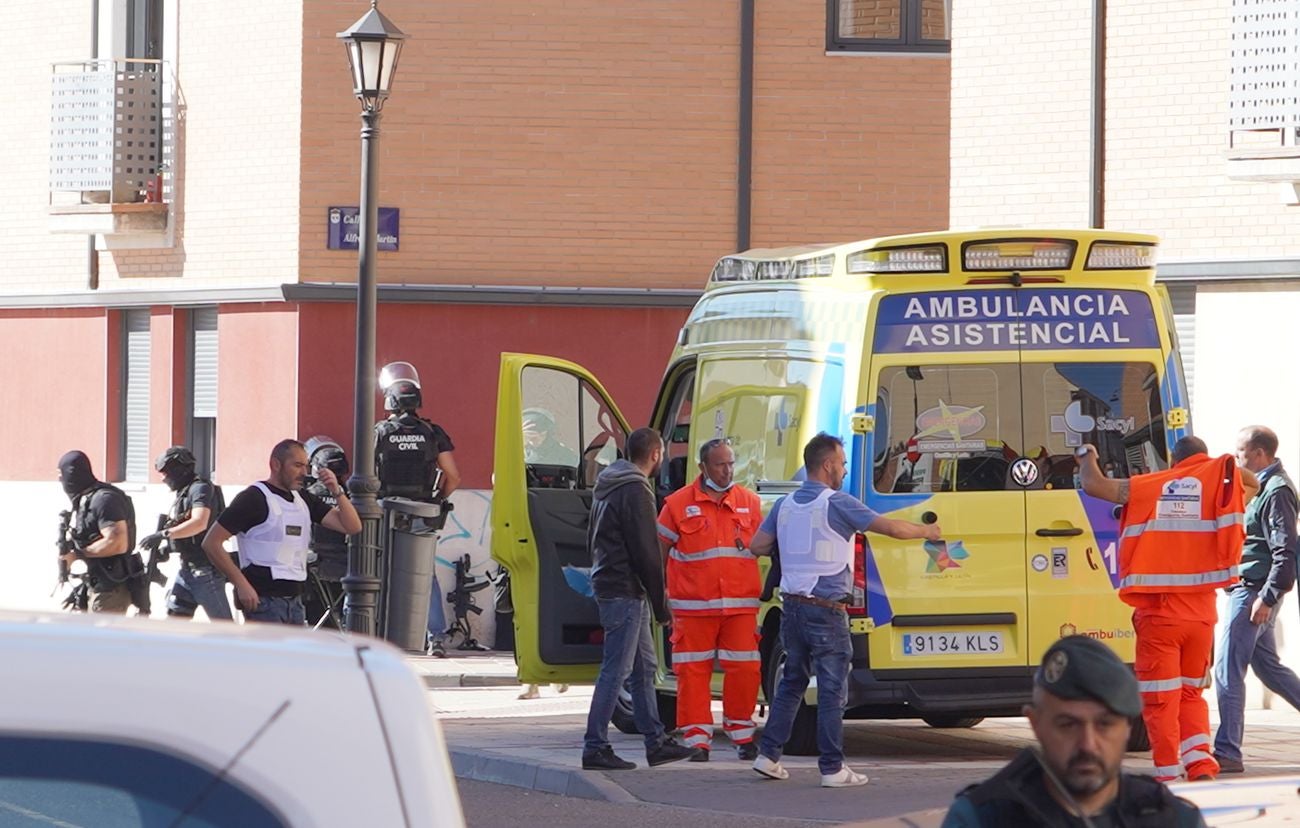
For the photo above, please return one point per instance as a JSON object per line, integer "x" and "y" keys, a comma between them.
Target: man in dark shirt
{"x": 626, "y": 571}
{"x": 1084, "y": 699}
{"x": 198, "y": 583}
{"x": 1268, "y": 571}
{"x": 272, "y": 520}
{"x": 103, "y": 532}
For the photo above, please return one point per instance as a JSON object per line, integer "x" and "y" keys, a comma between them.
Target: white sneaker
{"x": 772, "y": 770}
{"x": 843, "y": 778}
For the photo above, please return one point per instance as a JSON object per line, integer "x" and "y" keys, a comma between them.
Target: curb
{"x": 468, "y": 680}
{"x": 482, "y": 766}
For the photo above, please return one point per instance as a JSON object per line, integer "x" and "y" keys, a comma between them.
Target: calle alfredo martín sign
{"x": 345, "y": 222}
{"x": 1025, "y": 319}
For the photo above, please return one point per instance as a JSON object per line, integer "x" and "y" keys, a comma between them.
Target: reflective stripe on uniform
{"x": 1186, "y": 525}
{"x": 709, "y": 554}
{"x": 1166, "y": 772}
{"x": 665, "y": 532}
{"x": 738, "y": 655}
{"x": 1160, "y": 685}
{"x": 1218, "y": 576}
{"x": 1194, "y": 741}
{"x": 739, "y": 731}
{"x": 1193, "y": 756}
{"x": 1197, "y": 681}
{"x": 697, "y": 735}
{"x": 715, "y": 604}
{"x": 680, "y": 657}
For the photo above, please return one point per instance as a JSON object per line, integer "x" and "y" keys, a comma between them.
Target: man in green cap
{"x": 1084, "y": 698}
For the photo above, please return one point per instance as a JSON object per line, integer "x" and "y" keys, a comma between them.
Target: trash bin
{"x": 410, "y": 546}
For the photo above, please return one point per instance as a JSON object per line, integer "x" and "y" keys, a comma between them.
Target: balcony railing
{"x": 107, "y": 132}
{"x": 1264, "y": 96}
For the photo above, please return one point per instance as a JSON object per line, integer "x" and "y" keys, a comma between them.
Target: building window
{"x": 143, "y": 29}
{"x": 203, "y": 388}
{"x": 135, "y": 402}
{"x": 888, "y": 25}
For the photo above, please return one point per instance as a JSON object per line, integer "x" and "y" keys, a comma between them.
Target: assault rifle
{"x": 64, "y": 546}
{"x": 161, "y": 552}
{"x": 463, "y": 603}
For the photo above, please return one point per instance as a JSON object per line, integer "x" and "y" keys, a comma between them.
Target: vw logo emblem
{"x": 1024, "y": 471}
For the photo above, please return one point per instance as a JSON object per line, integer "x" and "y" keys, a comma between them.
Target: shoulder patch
{"x": 693, "y": 511}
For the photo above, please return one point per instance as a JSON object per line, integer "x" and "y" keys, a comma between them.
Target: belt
{"x": 816, "y": 602}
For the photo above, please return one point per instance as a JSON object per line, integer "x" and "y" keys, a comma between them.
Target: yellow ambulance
{"x": 961, "y": 369}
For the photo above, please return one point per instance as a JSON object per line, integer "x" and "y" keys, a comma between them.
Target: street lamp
{"x": 373, "y": 45}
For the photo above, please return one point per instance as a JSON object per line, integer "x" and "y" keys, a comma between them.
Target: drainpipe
{"x": 1097, "y": 167}
{"x": 745, "y": 149}
{"x": 92, "y": 255}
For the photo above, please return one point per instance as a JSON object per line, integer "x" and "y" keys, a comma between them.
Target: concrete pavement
{"x": 494, "y": 736}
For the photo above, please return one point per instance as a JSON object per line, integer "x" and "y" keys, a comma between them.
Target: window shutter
{"x": 204, "y": 321}
{"x": 137, "y": 395}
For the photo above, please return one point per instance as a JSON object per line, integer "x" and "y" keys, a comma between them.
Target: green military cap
{"x": 1079, "y": 667}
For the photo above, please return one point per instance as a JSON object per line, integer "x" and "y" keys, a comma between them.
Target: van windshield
{"x": 959, "y": 428}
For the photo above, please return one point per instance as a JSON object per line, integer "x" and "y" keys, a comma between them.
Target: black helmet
{"x": 400, "y": 383}
{"x": 178, "y": 455}
{"x": 177, "y": 466}
{"x": 325, "y": 452}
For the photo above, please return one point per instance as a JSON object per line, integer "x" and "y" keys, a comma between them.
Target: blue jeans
{"x": 1242, "y": 644}
{"x": 815, "y": 638}
{"x": 199, "y": 586}
{"x": 629, "y": 650}
{"x": 437, "y": 624}
{"x": 272, "y": 609}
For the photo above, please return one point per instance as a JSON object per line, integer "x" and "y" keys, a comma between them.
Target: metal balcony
{"x": 109, "y": 147}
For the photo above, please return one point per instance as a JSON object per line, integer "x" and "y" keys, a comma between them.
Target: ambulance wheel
{"x": 1138, "y": 738}
{"x": 952, "y": 721}
{"x": 803, "y": 735}
{"x": 625, "y": 720}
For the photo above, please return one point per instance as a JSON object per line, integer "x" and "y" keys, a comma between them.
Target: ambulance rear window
{"x": 959, "y": 428}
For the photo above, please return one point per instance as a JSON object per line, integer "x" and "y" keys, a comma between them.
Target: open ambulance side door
{"x": 556, "y": 430}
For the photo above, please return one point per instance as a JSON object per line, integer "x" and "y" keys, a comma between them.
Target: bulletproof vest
{"x": 325, "y": 541}
{"x": 86, "y": 532}
{"x": 1017, "y": 795}
{"x": 406, "y": 457}
{"x": 191, "y": 548}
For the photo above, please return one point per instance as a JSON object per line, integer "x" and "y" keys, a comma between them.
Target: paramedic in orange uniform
{"x": 713, "y": 586}
{"x": 1181, "y": 532}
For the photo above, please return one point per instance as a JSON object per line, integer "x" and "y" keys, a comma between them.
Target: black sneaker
{"x": 605, "y": 759}
{"x": 668, "y": 751}
{"x": 701, "y": 755}
{"x": 1227, "y": 765}
{"x": 747, "y": 751}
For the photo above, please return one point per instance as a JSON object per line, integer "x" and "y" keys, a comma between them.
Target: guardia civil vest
{"x": 1182, "y": 528}
{"x": 810, "y": 548}
{"x": 710, "y": 568}
{"x": 280, "y": 542}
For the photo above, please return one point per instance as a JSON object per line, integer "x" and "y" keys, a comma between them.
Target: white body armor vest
{"x": 281, "y": 541}
{"x": 809, "y": 547}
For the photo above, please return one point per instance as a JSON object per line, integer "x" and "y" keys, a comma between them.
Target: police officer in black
{"x": 414, "y": 460}
{"x": 197, "y": 505}
{"x": 1084, "y": 699}
{"x": 328, "y": 561}
{"x": 102, "y": 533}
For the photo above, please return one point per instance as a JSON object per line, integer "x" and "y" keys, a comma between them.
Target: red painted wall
{"x": 257, "y": 387}
{"x": 457, "y": 348}
{"x": 54, "y": 373}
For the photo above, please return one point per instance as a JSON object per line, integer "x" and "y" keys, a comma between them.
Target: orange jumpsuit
{"x": 713, "y": 589}
{"x": 1181, "y": 536}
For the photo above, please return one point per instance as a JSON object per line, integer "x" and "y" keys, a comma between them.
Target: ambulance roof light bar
{"x": 1018, "y": 254}
{"x": 922, "y": 258}
{"x": 739, "y": 269}
{"x": 1106, "y": 255}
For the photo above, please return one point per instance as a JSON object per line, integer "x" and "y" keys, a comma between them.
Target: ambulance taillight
{"x": 859, "y": 604}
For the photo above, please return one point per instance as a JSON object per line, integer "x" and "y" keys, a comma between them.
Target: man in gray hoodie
{"x": 626, "y": 571}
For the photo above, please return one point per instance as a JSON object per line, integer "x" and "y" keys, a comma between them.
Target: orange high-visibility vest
{"x": 1182, "y": 529}
{"x": 710, "y": 568}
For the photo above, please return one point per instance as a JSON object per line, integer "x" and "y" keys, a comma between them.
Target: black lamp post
{"x": 373, "y": 45}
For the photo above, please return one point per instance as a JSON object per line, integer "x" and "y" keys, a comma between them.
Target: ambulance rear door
{"x": 1096, "y": 376}
{"x": 556, "y": 430}
{"x": 947, "y": 430}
